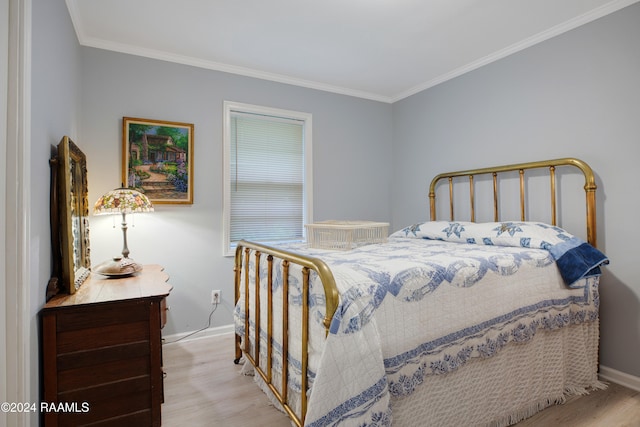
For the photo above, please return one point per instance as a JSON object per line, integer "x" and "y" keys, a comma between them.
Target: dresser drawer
{"x": 102, "y": 315}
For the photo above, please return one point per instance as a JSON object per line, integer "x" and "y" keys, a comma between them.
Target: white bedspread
{"x": 412, "y": 308}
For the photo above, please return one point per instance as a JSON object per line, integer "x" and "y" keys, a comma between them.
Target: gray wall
{"x": 574, "y": 95}
{"x": 351, "y": 151}
{"x": 55, "y": 97}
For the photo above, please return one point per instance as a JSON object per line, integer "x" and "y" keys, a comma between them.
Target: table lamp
{"x": 121, "y": 201}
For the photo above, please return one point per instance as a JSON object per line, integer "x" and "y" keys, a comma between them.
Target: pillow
{"x": 575, "y": 258}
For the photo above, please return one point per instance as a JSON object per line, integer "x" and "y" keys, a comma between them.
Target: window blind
{"x": 266, "y": 178}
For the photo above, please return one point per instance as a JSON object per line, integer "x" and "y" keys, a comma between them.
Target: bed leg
{"x": 238, "y": 350}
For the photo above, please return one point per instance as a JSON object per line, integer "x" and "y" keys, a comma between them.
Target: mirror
{"x": 73, "y": 263}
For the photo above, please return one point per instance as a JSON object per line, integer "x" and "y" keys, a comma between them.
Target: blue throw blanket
{"x": 575, "y": 258}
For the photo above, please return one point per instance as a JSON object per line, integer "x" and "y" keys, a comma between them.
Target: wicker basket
{"x": 346, "y": 235}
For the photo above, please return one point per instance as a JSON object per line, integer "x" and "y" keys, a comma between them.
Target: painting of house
{"x": 157, "y": 148}
{"x": 156, "y": 160}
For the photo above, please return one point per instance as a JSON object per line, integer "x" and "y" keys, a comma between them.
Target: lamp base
{"x": 118, "y": 267}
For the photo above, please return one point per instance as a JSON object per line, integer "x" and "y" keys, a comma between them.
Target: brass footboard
{"x": 308, "y": 264}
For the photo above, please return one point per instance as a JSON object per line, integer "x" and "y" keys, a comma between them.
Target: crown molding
{"x": 569, "y": 25}
{"x": 566, "y": 26}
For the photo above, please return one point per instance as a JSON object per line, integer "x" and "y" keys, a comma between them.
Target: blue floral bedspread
{"x": 434, "y": 297}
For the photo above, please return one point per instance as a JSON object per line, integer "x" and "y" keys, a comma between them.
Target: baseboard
{"x": 627, "y": 380}
{"x": 190, "y": 336}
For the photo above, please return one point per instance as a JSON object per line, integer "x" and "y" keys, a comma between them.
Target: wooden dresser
{"x": 102, "y": 351}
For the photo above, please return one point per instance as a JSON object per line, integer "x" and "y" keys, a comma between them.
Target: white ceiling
{"x": 383, "y": 50}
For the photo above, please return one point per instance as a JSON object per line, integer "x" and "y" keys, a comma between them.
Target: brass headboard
{"x": 589, "y": 188}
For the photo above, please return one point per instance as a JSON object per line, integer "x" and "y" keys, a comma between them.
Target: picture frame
{"x": 70, "y": 217}
{"x": 157, "y": 159}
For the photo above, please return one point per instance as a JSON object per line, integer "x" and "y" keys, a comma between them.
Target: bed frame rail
{"x": 242, "y": 258}
{"x": 551, "y": 165}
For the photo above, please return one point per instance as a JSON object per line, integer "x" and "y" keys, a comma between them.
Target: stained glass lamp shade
{"x": 121, "y": 201}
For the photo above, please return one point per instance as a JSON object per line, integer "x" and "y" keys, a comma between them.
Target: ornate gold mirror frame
{"x": 70, "y": 230}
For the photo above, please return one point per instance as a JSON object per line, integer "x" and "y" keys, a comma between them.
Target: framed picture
{"x": 157, "y": 159}
{"x": 69, "y": 219}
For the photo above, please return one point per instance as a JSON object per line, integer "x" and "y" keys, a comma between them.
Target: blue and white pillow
{"x": 575, "y": 258}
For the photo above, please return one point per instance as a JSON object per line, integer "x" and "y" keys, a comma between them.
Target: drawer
{"x": 129, "y": 407}
{"x": 96, "y": 357}
{"x": 100, "y": 315}
{"x": 89, "y": 376}
{"x": 102, "y": 336}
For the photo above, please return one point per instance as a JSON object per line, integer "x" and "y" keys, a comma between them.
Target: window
{"x": 267, "y": 174}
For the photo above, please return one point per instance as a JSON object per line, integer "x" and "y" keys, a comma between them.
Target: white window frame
{"x": 229, "y": 107}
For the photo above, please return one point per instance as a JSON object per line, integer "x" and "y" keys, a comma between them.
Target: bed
{"x": 456, "y": 322}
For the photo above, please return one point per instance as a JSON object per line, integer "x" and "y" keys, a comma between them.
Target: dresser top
{"x": 150, "y": 282}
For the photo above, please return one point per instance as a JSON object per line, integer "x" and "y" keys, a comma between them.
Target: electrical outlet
{"x": 215, "y": 297}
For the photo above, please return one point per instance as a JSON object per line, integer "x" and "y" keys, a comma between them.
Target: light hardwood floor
{"x": 203, "y": 388}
